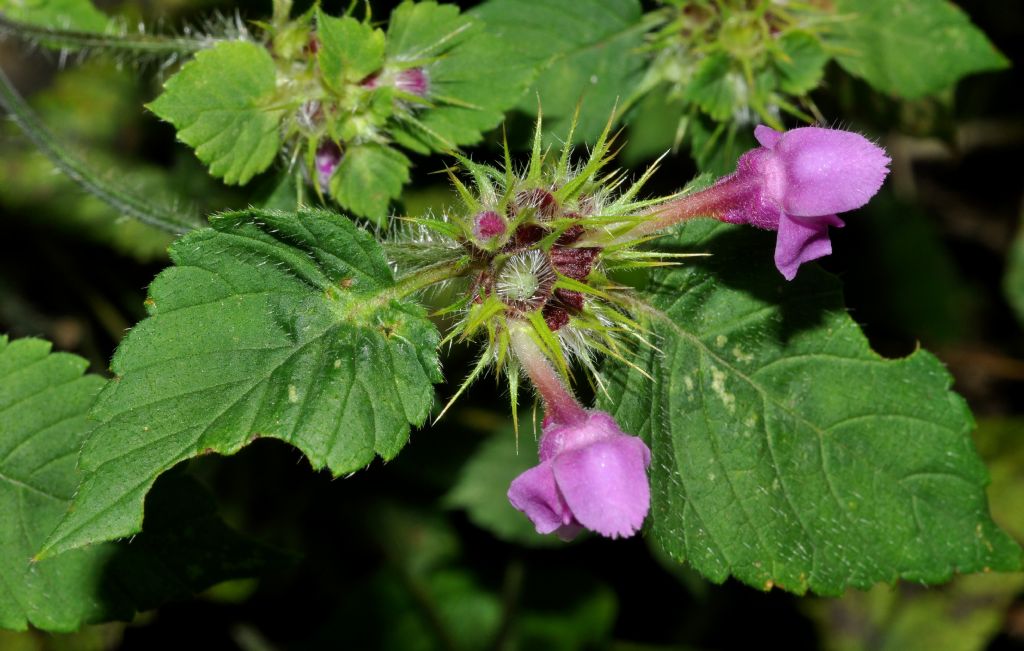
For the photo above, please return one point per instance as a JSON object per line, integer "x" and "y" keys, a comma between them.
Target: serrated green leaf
{"x": 368, "y": 178}
{"x": 911, "y": 48}
{"x": 44, "y": 399}
{"x": 588, "y": 53}
{"x": 803, "y": 62}
{"x": 223, "y": 105}
{"x": 350, "y": 50}
{"x": 471, "y": 83}
{"x": 482, "y": 487}
{"x": 79, "y": 15}
{"x": 43, "y": 404}
{"x": 270, "y": 324}
{"x": 785, "y": 451}
{"x": 966, "y": 614}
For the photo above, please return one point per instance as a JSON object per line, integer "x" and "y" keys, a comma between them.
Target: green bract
{"x": 270, "y": 324}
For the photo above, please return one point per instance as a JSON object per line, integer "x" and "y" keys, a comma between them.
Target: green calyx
{"x": 540, "y": 248}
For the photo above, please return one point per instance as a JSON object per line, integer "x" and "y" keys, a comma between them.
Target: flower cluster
{"x": 539, "y": 253}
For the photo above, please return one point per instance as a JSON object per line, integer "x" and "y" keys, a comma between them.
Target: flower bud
{"x": 542, "y": 201}
{"x": 327, "y": 159}
{"x": 413, "y": 81}
{"x": 488, "y": 224}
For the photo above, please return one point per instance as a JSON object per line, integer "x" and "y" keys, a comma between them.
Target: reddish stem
{"x": 559, "y": 403}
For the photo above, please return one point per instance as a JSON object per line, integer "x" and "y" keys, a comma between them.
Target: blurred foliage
{"x": 481, "y": 487}
{"x": 1014, "y": 284}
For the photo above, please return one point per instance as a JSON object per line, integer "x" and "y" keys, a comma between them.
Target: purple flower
{"x": 591, "y": 475}
{"x": 794, "y": 183}
{"x": 797, "y": 181}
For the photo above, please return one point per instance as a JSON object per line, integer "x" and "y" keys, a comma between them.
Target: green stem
{"x": 147, "y": 44}
{"x": 419, "y": 279}
{"x": 79, "y": 172}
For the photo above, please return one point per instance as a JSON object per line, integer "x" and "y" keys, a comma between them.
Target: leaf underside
{"x": 270, "y": 324}
{"x": 911, "y": 48}
{"x": 785, "y": 451}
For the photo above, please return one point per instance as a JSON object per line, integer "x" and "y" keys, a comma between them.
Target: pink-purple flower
{"x": 797, "y": 181}
{"x": 794, "y": 183}
{"x": 591, "y": 475}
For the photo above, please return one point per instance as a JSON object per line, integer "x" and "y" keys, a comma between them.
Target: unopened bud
{"x": 328, "y": 157}
{"x": 488, "y": 224}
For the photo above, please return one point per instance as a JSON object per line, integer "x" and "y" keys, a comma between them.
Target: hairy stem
{"x": 419, "y": 279}
{"x": 561, "y": 405}
{"x": 140, "y": 43}
{"x": 79, "y": 172}
{"x": 709, "y": 202}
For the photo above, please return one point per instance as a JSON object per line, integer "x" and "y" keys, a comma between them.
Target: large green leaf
{"x": 911, "y": 48}
{"x": 965, "y": 615}
{"x": 44, "y": 399}
{"x": 223, "y": 105}
{"x": 785, "y": 451}
{"x": 269, "y": 324}
{"x": 588, "y": 53}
